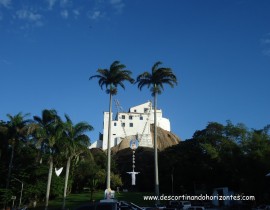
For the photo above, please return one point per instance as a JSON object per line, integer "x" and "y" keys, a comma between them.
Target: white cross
{"x": 133, "y": 177}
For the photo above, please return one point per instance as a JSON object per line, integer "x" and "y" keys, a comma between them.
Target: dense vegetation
{"x": 31, "y": 149}
{"x": 229, "y": 155}
{"x": 221, "y": 156}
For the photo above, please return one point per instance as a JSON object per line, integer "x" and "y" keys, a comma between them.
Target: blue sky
{"x": 219, "y": 50}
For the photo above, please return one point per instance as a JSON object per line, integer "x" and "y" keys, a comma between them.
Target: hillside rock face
{"x": 164, "y": 139}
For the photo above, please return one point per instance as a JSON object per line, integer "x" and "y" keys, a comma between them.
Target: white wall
{"x": 96, "y": 144}
{"x": 136, "y": 121}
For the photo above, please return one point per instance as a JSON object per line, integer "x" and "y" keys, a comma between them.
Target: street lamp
{"x": 21, "y": 192}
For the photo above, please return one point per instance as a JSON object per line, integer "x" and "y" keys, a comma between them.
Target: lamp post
{"x": 21, "y": 192}
{"x": 172, "y": 180}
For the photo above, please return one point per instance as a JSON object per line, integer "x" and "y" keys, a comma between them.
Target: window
{"x": 123, "y": 117}
{"x": 145, "y": 109}
{"x": 135, "y": 110}
{"x": 115, "y": 124}
{"x": 130, "y": 124}
{"x": 141, "y": 117}
{"x": 130, "y": 117}
{"x": 123, "y": 124}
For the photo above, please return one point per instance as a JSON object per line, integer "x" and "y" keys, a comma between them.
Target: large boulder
{"x": 164, "y": 139}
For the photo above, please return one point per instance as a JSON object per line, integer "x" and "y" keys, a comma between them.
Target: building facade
{"x": 135, "y": 122}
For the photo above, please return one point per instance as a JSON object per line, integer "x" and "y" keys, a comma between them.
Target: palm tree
{"x": 111, "y": 78}
{"x": 3, "y": 139}
{"x": 155, "y": 80}
{"x": 15, "y": 130}
{"x": 76, "y": 142}
{"x": 47, "y": 131}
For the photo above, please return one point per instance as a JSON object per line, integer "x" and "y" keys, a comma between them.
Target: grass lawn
{"x": 75, "y": 200}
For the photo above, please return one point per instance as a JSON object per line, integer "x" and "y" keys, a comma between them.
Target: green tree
{"x": 116, "y": 180}
{"x": 76, "y": 142}
{"x": 111, "y": 79}
{"x": 3, "y": 139}
{"x": 219, "y": 144}
{"x": 15, "y": 131}
{"x": 93, "y": 183}
{"x": 156, "y": 79}
{"x": 85, "y": 170}
{"x": 47, "y": 131}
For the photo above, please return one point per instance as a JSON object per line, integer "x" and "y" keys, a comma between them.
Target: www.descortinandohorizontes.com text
{"x": 200, "y": 197}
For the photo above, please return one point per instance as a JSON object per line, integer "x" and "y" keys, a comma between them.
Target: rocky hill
{"x": 164, "y": 139}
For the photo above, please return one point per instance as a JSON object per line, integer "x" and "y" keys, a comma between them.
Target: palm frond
{"x": 154, "y": 68}
{"x": 157, "y": 78}
{"x": 113, "y": 77}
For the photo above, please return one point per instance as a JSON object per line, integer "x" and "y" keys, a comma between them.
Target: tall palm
{"x": 111, "y": 78}
{"x": 3, "y": 139}
{"x": 155, "y": 80}
{"x": 15, "y": 131}
{"x": 76, "y": 142}
{"x": 47, "y": 131}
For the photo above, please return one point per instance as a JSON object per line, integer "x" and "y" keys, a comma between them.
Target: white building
{"x": 136, "y": 122}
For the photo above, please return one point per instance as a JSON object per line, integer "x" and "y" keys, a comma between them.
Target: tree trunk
{"x": 155, "y": 148}
{"x": 91, "y": 195}
{"x": 66, "y": 182}
{"x": 49, "y": 181}
{"x": 109, "y": 147}
{"x": 172, "y": 179}
{"x": 10, "y": 166}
